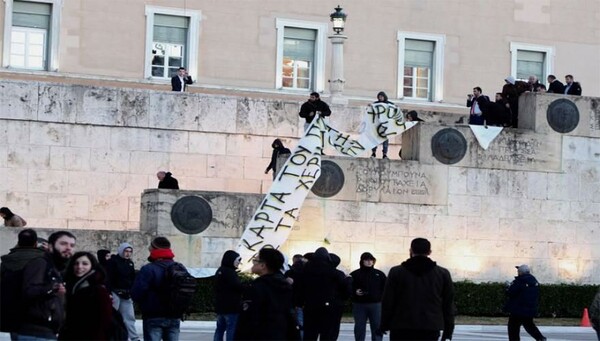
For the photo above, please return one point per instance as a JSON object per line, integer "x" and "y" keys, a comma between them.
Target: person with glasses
{"x": 267, "y": 310}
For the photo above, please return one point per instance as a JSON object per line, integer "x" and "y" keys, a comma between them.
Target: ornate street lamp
{"x": 338, "y": 18}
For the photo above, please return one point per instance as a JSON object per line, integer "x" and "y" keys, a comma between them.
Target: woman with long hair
{"x": 11, "y": 219}
{"x": 89, "y": 305}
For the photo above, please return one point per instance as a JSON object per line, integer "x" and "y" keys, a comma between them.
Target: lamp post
{"x": 337, "y": 81}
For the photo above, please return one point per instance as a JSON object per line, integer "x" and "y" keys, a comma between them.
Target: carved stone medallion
{"x": 562, "y": 115}
{"x": 331, "y": 180}
{"x": 448, "y": 146}
{"x": 191, "y": 214}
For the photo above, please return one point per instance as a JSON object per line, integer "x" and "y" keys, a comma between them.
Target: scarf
{"x": 156, "y": 254}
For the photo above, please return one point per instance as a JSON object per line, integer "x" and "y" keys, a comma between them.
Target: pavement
{"x": 203, "y": 331}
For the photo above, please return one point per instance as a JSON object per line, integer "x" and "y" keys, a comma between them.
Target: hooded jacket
{"x": 267, "y": 308}
{"x": 321, "y": 283}
{"x": 169, "y": 182}
{"x": 228, "y": 287}
{"x": 523, "y": 296}
{"x": 121, "y": 272}
{"x": 418, "y": 295}
{"x": 385, "y": 98}
{"x": 371, "y": 281}
{"x": 278, "y": 149}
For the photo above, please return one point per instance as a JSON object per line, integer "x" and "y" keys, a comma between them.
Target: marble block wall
{"x": 79, "y": 157}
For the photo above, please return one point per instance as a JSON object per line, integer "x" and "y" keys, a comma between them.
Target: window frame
{"x": 52, "y": 43}
{"x": 28, "y": 31}
{"x": 549, "y": 54}
{"x": 192, "y": 54}
{"x": 318, "y": 83}
{"x": 437, "y": 86}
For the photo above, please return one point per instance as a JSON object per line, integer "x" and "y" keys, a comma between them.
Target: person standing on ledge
{"x": 278, "y": 149}
{"x": 11, "y": 219}
{"x": 166, "y": 181}
{"x": 312, "y": 107}
{"x": 180, "y": 81}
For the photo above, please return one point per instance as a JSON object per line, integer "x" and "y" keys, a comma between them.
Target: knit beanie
{"x": 160, "y": 243}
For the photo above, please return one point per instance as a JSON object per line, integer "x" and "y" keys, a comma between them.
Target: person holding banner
{"x": 312, "y": 107}
{"x": 382, "y": 98}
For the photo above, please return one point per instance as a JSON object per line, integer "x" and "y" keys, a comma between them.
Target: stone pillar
{"x": 337, "y": 81}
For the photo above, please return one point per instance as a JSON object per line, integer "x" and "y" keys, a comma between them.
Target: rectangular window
{"x": 421, "y": 66}
{"x": 418, "y": 64}
{"x": 530, "y": 63}
{"x": 298, "y": 58}
{"x": 531, "y": 60}
{"x": 29, "y": 35}
{"x": 169, "y": 39}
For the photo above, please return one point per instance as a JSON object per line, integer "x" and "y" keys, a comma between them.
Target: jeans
{"x": 300, "y": 321}
{"x": 226, "y": 323}
{"x": 514, "y": 328}
{"x": 385, "y": 144}
{"x": 125, "y": 307}
{"x": 362, "y": 312}
{"x": 163, "y": 328}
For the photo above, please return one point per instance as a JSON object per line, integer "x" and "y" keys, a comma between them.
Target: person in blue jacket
{"x": 523, "y": 299}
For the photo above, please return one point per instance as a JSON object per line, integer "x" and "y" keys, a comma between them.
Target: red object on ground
{"x": 585, "y": 319}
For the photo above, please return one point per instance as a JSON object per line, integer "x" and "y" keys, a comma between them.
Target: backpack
{"x": 179, "y": 288}
{"x": 118, "y": 330}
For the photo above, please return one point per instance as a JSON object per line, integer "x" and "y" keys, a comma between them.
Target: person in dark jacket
{"x": 322, "y": 284}
{"x": 510, "y": 93}
{"x": 180, "y": 81}
{"x": 418, "y": 298}
{"x": 166, "y": 180}
{"x": 478, "y": 104}
{"x": 267, "y": 312}
{"x": 571, "y": 87}
{"x": 278, "y": 149}
{"x": 147, "y": 291}
{"x": 367, "y": 289}
{"x": 313, "y": 107}
{"x": 555, "y": 86}
{"x": 341, "y": 295}
{"x": 103, "y": 256}
{"x": 294, "y": 274}
{"x": 11, "y": 280}
{"x": 89, "y": 306}
{"x": 228, "y": 295}
{"x": 121, "y": 275}
{"x": 381, "y": 98}
{"x": 498, "y": 112}
{"x": 523, "y": 298}
{"x": 595, "y": 313}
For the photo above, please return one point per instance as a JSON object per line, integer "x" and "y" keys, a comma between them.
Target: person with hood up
{"x": 418, "y": 298}
{"x": 278, "y": 149}
{"x": 367, "y": 290}
{"x": 228, "y": 295}
{"x": 381, "y": 98}
{"x": 322, "y": 284}
{"x": 121, "y": 275}
{"x": 523, "y": 299}
{"x": 166, "y": 180}
{"x": 89, "y": 307}
{"x": 267, "y": 311}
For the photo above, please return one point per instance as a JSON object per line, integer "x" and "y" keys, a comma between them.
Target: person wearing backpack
{"x": 162, "y": 289}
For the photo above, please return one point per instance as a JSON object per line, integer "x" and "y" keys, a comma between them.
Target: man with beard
{"x": 313, "y": 107}
{"x": 44, "y": 290}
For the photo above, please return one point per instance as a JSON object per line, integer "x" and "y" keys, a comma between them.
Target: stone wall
{"x": 79, "y": 157}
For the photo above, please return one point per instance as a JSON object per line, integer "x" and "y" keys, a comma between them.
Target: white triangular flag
{"x": 485, "y": 134}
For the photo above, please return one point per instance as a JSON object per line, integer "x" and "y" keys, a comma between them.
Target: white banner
{"x": 485, "y": 134}
{"x": 272, "y": 222}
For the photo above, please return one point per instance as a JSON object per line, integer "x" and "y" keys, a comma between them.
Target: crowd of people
{"x": 51, "y": 292}
{"x": 504, "y": 111}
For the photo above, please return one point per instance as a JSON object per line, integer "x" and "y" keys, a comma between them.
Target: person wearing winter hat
{"x": 511, "y": 94}
{"x": 367, "y": 290}
{"x": 146, "y": 290}
{"x": 228, "y": 295}
{"x": 121, "y": 275}
{"x": 381, "y": 98}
